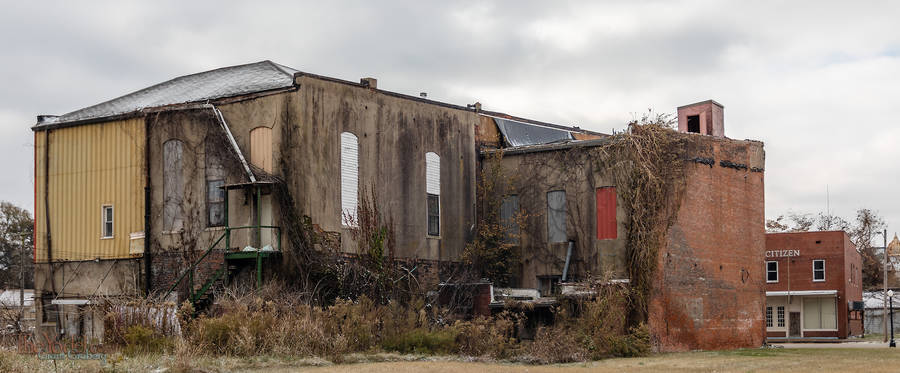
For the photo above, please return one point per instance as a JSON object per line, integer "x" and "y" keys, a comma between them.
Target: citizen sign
{"x": 782, "y": 253}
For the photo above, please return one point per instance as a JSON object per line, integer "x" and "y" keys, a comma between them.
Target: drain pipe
{"x": 231, "y": 140}
{"x": 568, "y": 259}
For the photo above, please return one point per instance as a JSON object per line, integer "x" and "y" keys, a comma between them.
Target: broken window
{"x": 509, "y": 212}
{"x": 819, "y": 270}
{"x": 173, "y": 185}
{"x": 349, "y": 178}
{"x": 693, "y": 123}
{"x": 433, "y": 192}
{"x": 215, "y": 178}
{"x": 107, "y": 212}
{"x": 772, "y": 271}
{"x": 556, "y": 216}
{"x": 215, "y": 202}
{"x": 606, "y": 213}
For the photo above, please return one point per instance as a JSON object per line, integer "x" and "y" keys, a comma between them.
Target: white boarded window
{"x": 819, "y": 313}
{"x": 556, "y": 216}
{"x": 349, "y": 178}
{"x": 433, "y": 192}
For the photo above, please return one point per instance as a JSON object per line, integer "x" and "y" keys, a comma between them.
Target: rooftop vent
{"x": 369, "y": 82}
{"x": 705, "y": 117}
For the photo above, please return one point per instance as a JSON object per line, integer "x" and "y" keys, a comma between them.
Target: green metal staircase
{"x": 200, "y": 294}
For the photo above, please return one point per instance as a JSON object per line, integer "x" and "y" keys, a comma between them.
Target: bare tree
{"x": 16, "y": 229}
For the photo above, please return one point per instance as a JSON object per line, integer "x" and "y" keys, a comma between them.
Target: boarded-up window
{"x": 556, "y": 216}
{"x": 261, "y": 148}
{"x": 509, "y": 212}
{"x": 349, "y": 178}
{"x": 819, "y": 313}
{"x": 606, "y": 213}
{"x": 173, "y": 186}
{"x": 433, "y": 192}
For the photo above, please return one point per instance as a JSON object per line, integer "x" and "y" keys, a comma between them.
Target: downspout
{"x": 49, "y": 241}
{"x": 231, "y": 140}
{"x": 147, "y": 260}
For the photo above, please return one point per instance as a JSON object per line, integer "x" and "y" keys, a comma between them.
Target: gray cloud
{"x": 817, "y": 81}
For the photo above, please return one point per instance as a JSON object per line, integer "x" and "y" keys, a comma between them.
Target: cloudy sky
{"x": 816, "y": 81}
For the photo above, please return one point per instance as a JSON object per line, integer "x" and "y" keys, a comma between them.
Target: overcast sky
{"x": 816, "y": 81}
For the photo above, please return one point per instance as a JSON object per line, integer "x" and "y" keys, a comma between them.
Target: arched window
{"x": 433, "y": 192}
{"x": 261, "y": 148}
{"x": 173, "y": 185}
{"x": 349, "y": 178}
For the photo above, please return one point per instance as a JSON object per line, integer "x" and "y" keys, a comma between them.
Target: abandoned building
{"x": 813, "y": 286}
{"x": 196, "y": 181}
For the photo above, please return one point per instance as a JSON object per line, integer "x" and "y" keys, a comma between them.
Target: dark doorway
{"x": 795, "y": 324}
{"x": 693, "y": 123}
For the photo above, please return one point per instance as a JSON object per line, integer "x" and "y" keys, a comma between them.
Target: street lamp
{"x": 890, "y": 294}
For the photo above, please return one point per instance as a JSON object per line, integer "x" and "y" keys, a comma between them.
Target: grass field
{"x": 747, "y": 360}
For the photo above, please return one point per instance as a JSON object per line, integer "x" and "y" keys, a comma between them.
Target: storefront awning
{"x": 800, "y": 292}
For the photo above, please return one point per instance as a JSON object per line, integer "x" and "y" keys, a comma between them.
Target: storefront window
{"x": 819, "y": 313}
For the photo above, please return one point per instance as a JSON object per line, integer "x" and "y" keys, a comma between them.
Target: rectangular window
{"x": 768, "y": 317}
{"x": 433, "y": 192}
{"x": 107, "y": 221}
{"x": 606, "y": 213}
{"x": 556, "y": 216}
{"x": 772, "y": 271}
{"x": 349, "y": 178}
{"x": 780, "y": 316}
{"x": 819, "y": 270}
{"x": 819, "y": 313}
{"x": 509, "y": 213}
{"x": 434, "y": 215}
{"x": 215, "y": 203}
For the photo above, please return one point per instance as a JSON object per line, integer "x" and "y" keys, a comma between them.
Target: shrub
{"x": 422, "y": 341}
{"x": 142, "y": 340}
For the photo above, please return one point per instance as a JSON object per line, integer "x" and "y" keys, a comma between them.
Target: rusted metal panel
{"x": 261, "y": 148}
{"x": 89, "y": 166}
{"x": 606, "y": 213}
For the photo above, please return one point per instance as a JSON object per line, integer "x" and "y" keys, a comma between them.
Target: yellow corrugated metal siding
{"x": 90, "y": 166}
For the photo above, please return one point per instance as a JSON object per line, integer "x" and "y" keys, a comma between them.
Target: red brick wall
{"x": 167, "y": 266}
{"x": 709, "y": 294}
{"x": 840, "y": 257}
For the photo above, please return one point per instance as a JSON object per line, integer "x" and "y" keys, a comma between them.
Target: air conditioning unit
{"x": 857, "y": 306}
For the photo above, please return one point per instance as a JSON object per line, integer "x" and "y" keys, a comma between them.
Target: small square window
{"x": 772, "y": 271}
{"x": 107, "y": 222}
{"x": 819, "y": 270}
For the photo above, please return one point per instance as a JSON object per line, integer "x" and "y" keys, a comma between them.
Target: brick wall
{"x": 168, "y": 265}
{"x": 709, "y": 294}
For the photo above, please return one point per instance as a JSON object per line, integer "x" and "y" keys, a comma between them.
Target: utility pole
{"x": 22, "y": 284}
{"x": 884, "y": 302}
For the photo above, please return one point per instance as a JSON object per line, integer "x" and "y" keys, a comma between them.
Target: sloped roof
{"x": 199, "y": 87}
{"x": 517, "y": 133}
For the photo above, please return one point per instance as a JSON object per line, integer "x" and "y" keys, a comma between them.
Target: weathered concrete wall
{"x": 394, "y": 134}
{"x": 709, "y": 292}
{"x": 531, "y": 176}
{"x": 80, "y": 280}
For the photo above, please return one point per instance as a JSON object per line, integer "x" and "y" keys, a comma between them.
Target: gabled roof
{"x": 199, "y": 87}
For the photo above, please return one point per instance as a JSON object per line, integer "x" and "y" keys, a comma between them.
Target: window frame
{"x": 348, "y": 216}
{"x": 769, "y": 318}
{"x": 210, "y": 203}
{"x": 779, "y": 317}
{"x": 814, "y": 270}
{"x": 565, "y": 217}
{"x": 769, "y": 271}
{"x": 432, "y": 191}
{"x": 111, "y": 222}
{"x": 433, "y": 214}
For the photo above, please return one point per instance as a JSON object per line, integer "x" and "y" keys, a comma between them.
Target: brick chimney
{"x": 705, "y": 117}
{"x": 369, "y": 82}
